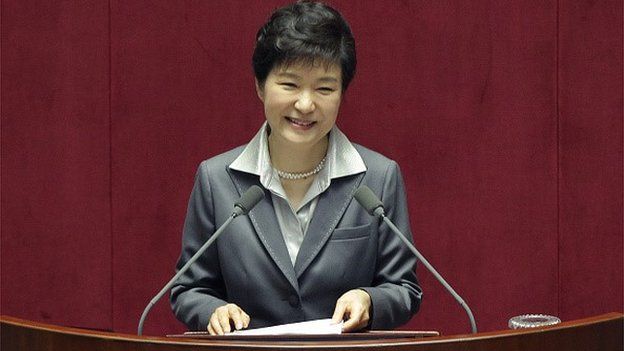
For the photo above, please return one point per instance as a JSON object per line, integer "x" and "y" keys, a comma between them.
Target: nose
{"x": 305, "y": 103}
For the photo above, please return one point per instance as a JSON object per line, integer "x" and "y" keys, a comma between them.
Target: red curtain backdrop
{"x": 506, "y": 119}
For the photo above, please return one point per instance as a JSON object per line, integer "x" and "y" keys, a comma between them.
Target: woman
{"x": 308, "y": 250}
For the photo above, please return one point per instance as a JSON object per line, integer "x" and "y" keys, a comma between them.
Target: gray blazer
{"x": 344, "y": 248}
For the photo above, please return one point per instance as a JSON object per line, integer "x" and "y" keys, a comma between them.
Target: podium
{"x": 603, "y": 332}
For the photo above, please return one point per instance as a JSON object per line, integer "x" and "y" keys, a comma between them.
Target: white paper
{"x": 315, "y": 327}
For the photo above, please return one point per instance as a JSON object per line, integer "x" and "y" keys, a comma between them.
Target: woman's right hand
{"x": 219, "y": 323}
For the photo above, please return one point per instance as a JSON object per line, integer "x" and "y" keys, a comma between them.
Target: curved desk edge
{"x": 603, "y": 332}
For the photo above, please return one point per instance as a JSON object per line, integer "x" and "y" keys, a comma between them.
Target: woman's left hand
{"x": 354, "y": 308}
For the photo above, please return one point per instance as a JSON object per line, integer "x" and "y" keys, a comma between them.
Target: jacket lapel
{"x": 265, "y": 223}
{"x": 331, "y": 205}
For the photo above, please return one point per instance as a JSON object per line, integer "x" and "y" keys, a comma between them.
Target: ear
{"x": 259, "y": 90}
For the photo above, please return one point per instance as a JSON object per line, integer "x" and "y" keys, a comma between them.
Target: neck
{"x": 297, "y": 158}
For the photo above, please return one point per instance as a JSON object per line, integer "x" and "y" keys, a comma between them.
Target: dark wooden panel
{"x": 600, "y": 333}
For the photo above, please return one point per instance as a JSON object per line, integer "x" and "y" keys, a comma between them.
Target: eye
{"x": 326, "y": 90}
{"x": 288, "y": 85}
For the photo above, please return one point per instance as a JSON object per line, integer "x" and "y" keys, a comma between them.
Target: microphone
{"x": 249, "y": 200}
{"x": 245, "y": 203}
{"x": 371, "y": 203}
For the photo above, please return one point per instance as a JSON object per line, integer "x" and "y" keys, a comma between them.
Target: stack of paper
{"x": 315, "y": 327}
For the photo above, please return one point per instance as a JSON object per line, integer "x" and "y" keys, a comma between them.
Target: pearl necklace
{"x": 301, "y": 175}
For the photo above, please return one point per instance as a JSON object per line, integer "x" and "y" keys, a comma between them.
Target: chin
{"x": 303, "y": 139}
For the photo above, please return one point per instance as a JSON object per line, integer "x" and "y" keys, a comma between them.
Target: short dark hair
{"x": 305, "y": 31}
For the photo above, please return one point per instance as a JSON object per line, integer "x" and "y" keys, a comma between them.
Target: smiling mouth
{"x": 300, "y": 122}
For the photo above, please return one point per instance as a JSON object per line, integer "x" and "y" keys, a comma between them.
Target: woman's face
{"x": 301, "y": 102}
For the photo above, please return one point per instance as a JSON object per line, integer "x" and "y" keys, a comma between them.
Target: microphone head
{"x": 367, "y": 199}
{"x": 248, "y": 200}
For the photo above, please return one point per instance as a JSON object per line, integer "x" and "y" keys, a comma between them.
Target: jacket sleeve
{"x": 200, "y": 290}
{"x": 395, "y": 292}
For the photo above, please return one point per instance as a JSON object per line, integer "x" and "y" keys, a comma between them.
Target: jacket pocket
{"x": 350, "y": 233}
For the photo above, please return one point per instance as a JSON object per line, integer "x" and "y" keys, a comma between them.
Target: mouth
{"x": 300, "y": 123}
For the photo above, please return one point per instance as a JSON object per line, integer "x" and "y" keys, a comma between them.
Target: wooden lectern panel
{"x": 373, "y": 335}
{"x": 600, "y": 333}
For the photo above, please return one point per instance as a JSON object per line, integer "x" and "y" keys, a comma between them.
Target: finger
{"x": 339, "y": 312}
{"x": 246, "y": 320}
{"x": 354, "y": 324}
{"x": 216, "y": 326}
{"x": 358, "y": 318}
{"x": 211, "y": 331}
{"x": 354, "y": 320}
{"x": 237, "y": 318}
{"x": 224, "y": 321}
